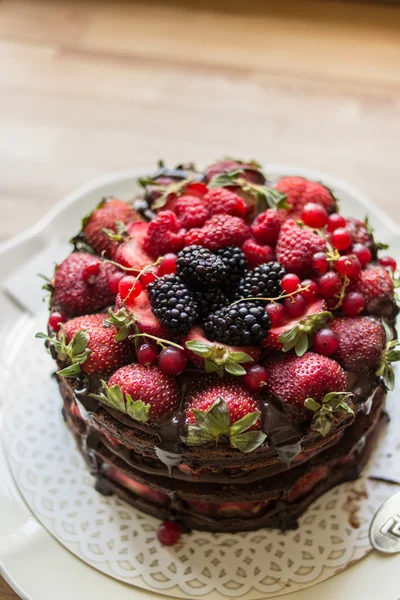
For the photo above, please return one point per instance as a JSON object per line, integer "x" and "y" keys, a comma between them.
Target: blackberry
{"x": 241, "y": 324}
{"x": 236, "y": 264}
{"x": 173, "y": 304}
{"x": 199, "y": 267}
{"x": 209, "y": 301}
{"x": 262, "y": 282}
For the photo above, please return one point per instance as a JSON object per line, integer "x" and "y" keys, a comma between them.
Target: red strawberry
{"x": 88, "y": 344}
{"x": 251, "y": 170}
{"x": 361, "y": 342}
{"x": 191, "y": 211}
{"x": 294, "y": 379}
{"x": 108, "y": 215}
{"x": 300, "y": 191}
{"x": 359, "y": 232}
{"x": 267, "y": 225}
{"x": 224, "y": 230}
{"x": 306, "y": 483}
{"x": 136, "y": 314}
{"x": 163, "y": 235}
{"x": 156, "y": 392}
{"x": 199, "y": 349}
{"x": 75, "y": 296}
{"x": 141, "y": 490}
{"x": 257, "y": 255}
{"x": 221, "y": 201}
{"x": 311, "y": 320}
{"x": 131, "y": 253}
{"x": 376, "y": 285}
{"x": 296, "y": 247}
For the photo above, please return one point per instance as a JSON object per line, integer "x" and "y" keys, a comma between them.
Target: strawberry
{"x": 306, "y": 483}
{"x": 88, "y": 345}
{"x": 222, "y": 231}
{"x": 191, "y": 211}
{"x": 163, "y": 235}
{"x": 257, "y": 255}
{"x": 221, "y": 201}
{"x": 298, "y": 332}
{"x": 296, "y": 247}
{"x": 312, "y": 382}
{"x": 75, "y": 296}
{"x": 141, "y": 490}
{"x": 131, "y": 253}
{"x": 110, "y": 215}
{"x": 146, "y": 394}
{"x": 377, "y": 287}
{"x": 267, "y": 225}
{"x": 135, "y": 316}
{"x": 361, "y": 342}
{"x": 216, "y": 357}
{"x": 250, "y": 170}
{"x": 223, "y": 408}
{"x": 300, "y": 191}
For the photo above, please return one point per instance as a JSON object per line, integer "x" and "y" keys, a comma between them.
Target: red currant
{"x": 277, "y": 314}
{"x": 255, "y": 378}
{"x": 341, "y": 238}
{"x": 329, "y": 284}
{"x": 167, "y": 265}
{"x": 326, "y": 342}
{"x": 90, "y": 272}
{"x": 320, "y": 263}
{"x": 129, "y": 287}
{"x": 389, "y": 262}
{"x": 295, "y": 306}
{"x": 172, "y": 360}
{"x": 290, "y": 283}
{"x": 146, "y": 278}
{"x": 147, "y": 354}
{"x": 168, "y": 533}
{"x": 311, "y": 293}
{"x": 314, "y": 215}
{"x": 348, "y": 265}
{"x": 363, "y": 253}
{"x": 335, "y": 221}
{"x": 56, "y": 319}
{"x": 353, "y": 304}
{"x": 113, "y": 281}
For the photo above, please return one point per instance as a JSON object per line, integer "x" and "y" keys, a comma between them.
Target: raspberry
{"x": 224, "y": 230}
{"x": 163, "y": 235}
{"x": 221, "y": 201}
{"x": 300, "y": 191}
{"x": 296, "y": 247}
{"x": 267, "y": 225}
{"x": 191, "y": 211}
{"x": 257, "y": 255}
{"x": 195, "y": 237}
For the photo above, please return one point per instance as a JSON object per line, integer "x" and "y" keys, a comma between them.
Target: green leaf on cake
{"x": 332, "y": 402}
{"x": 385, "y": 370}
{"x": 300, "y": 337}
{"x": 114, "y": 398}
{"x": 214, "y": 424}
{"x": 73, "y": 354}
{"x": 218, "y": 359}
{"x": 119, "y": 234}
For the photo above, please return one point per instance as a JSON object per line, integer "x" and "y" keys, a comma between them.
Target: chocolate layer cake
{"x": 224, "y": 346}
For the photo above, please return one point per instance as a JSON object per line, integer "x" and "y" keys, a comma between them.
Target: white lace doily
{"x": 120, "y": 541}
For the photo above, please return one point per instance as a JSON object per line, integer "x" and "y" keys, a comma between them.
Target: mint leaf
{"x": 249, "y": 441}
{"x": 244, "y": 423}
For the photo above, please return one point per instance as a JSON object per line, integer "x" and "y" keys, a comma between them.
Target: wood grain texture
{"x": 87, "y": 88}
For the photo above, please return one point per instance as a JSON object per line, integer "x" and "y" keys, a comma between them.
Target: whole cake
{"x": 224, "y": 346}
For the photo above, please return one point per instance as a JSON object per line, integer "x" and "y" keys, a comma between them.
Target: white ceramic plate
{"x": 32, "y": 561}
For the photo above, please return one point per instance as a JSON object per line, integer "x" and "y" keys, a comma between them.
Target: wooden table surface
{"x": 87, "y": 88}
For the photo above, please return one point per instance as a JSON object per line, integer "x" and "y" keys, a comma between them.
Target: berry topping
{"x": 168, "y": 266}
{"x": 388, "y": 262}
{"x": 235, "y": 265}
{"x": 172, "y": 360}
{"x": 198, "y": 266}
{"x": 131, "y": 253}
{"x": 341, "y": 238}
{"x": 129, "y": 287}
{"x": 257, "y": 255}
{"x": 262, "y": 282}
{"x": 147, "y": 354}
{"x": 209, "y": 301}
{"x": 149, "y": 276}
{"x": 173, "y": 304}
{"x": 56, "y": 319}
{"x": 295, "y": 306}
{"x": 300, "y": 191}
{"x": 320, "y": 263}
{"x": 290, "y": 283}
{"x": 168, "y": 533}
{"x": 135, "y": 316}
{"x": 353, "y": 304}
{"x": 267, "y": 225}
{"x": 221, "y": 201}
{"x": 255, "y": 378}
{"x": 349, "y": 266}
{"x": 191, "y": 211}
{"x": 90, "y": 271}
{"x": 249, "y": 170}
{"x": 363, "y": 253}
{"x": 335, "y": 221}
{"x": 361, "y": 342}
{"x": 224, "y": 230}
{"x": 242, "y": 324}
{"x": 296, "y": 247}
{"x": 163, "y": 235}
{"x": 376, "y": 286}
{"x": 309, "y": 290}
{"x": 277, "y": 314}
{"x": 329, "y": 285}
{"x": 325, "y": 342}
{"x": 314, "y": 215}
